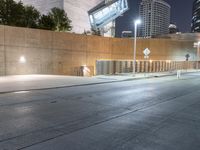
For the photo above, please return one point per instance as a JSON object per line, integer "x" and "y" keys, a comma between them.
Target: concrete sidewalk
{"x": 129, "y": 76}
{"x": 35, "y": 82}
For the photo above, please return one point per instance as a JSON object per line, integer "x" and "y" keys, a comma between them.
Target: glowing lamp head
{"x": 138, "y": 21}
{"x": 22, "y": 59}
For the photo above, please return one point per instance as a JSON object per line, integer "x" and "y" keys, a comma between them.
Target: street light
{"x": 198, "y": 51}
{"x": 197, "y": 45}
{"x": 137, "y": 22}
{"x": 198, "y": 54}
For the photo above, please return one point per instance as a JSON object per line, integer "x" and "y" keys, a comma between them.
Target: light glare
{"x": 22, "y": 59}
{"x": 138, "y": 21}
{"x": 21, "y": 92}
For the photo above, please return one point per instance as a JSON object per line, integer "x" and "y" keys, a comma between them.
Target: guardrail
{"x": 114, "y": 67}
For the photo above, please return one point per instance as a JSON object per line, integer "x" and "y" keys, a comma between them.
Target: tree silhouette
{"x": 16, "y": 14}
{"x": 62, "y": 22}
{"x": 46, "y": 22}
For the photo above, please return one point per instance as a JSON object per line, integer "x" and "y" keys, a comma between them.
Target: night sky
{"x": 181, "y": 14}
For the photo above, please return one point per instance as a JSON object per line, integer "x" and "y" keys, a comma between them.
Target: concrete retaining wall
{"x": 50, "y": 52}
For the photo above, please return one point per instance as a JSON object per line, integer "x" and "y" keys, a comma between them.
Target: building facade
{"x": 155, "y": 16}
{"x": 77, "y": 10}
{"x": 173, "y": 29}
{"x": 102, "y": 17}
{"x": 196, "y": 16}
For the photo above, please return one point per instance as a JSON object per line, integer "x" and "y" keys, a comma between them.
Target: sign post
{"x": 197, "y": 45}
{"x": 146, "y": 53}
{"x": 146, "y": 56}
{"x": 187, "y": 56}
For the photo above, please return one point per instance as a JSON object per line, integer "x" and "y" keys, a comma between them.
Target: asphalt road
{"x": 150, "y": 114}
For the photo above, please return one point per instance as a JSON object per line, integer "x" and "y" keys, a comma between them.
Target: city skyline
{"x": 181, "y": 18}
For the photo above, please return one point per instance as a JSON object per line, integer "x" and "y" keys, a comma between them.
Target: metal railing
{"x": 115, "y": 67}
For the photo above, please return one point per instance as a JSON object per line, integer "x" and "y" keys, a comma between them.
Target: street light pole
{"x": 135, "y": 46}
{"x": 198, "y": 54}
{"x": 198, "y": 47}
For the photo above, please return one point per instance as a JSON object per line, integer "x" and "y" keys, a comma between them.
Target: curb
{"x": 89, "y": 84}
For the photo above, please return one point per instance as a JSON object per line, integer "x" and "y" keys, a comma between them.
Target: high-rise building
{"x": 77, "y": 10}
{"x": 155, "y": 16}
{"x": 196, "y": 16}
{"x": 173, "y": 29}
